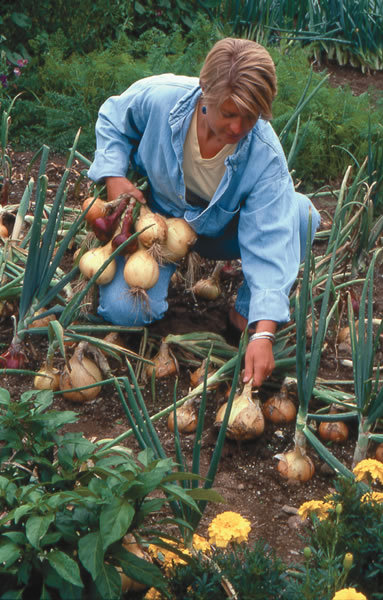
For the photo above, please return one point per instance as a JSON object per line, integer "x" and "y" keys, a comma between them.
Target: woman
{"x": 211, "y": 157}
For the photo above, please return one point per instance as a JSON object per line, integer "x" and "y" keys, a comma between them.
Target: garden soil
{"x": 247, "y": 478}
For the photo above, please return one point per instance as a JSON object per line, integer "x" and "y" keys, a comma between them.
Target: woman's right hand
{"x": 121, "y": 185}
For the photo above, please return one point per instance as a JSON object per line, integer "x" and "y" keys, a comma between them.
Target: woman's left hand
{"x": 259, "y": 361}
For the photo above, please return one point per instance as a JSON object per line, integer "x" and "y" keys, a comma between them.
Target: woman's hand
{"x": 259, "y": 361}
{"x": 121, "y": 185}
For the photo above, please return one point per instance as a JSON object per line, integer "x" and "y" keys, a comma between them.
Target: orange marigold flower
{"x": 228, "y": 527}
{"x": 372, "y": 497}
{"x": 349, "y": 594}
{"x": 317, "y": 507}
{"x": 201, "y": 544}
{"x": 369, "y": 466}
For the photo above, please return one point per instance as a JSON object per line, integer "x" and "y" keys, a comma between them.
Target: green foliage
{"x": 67, "y": 503}
{"x": 254, "y": 571}
{"x": 357, "y": 530}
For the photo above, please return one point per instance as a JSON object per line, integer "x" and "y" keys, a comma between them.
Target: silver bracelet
{"x": 262, "y": 335}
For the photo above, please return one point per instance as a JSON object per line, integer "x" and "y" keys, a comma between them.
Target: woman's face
{"x": 227, "y": 123}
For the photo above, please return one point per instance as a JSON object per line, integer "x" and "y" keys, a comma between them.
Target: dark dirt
{"x": 247, "y": 477}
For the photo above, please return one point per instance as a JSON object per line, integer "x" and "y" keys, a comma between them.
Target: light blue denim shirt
{"x": 145, "y": 127}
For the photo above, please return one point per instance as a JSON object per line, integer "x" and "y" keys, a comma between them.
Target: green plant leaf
{"x": 205, "y": 494}
{"x": 9, "y": 552}
{"x": 65, "y": 566}
{"x": 108, "y": 582}
{"x": 139, "y": 569}
{"x": 36, "y": 527}
{"x": 90, "y": 553}
{"x": 115, "y": 520}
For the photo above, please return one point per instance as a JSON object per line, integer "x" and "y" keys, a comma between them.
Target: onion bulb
{"x": 43, "y": 321}
{"x": 93, "y": 259}
{"x": 280, "y": 409}
{"x": 141, "y": 272}
{"x": 80, "y": 371}
{"x": 295, "y": 465}
{"x": 98, "y": 209}
{"x": 187, "y": 417}
{"x": 130, "y": 544}
{"x": 379, "y": 452}
{"x": 4, "y": 233}
{"x": 246, "y": 420}
{"x": 333, "y": 431}
{"x": 164, "y": 363}
{"x": 181, "y": 237}
{"x": 209, "y": 289}
{"x": 156, "y": 233}
{"x": 197, "y": 377}
{"x": 47, "y": 378}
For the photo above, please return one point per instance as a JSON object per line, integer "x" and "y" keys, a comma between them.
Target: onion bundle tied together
{"x": 94, "y": 259}
{"x": 154, "y": 232}
{"x": 246, "y": 420}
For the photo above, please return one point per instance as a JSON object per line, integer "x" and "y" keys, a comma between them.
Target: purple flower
{"x": 3, "y": 80}
{"x": 22, "y": 62}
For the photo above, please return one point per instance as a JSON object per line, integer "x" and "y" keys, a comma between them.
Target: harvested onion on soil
{"x": 130, "y": 544}
{"x": 92, "y": 261}
{"x": 154, "y": 237}
{"x": 295, "y": 465}
{"x": 209, "y": 289}
{"x": 180, "y": 238}
{"x": 187, "y": 417}
{"x": 280, "y": 409}
{"x": 81, "y": 371}
{"x": 246, "y": 420}
{"x": 165, "y": 363}
{"x": 43, "y": 321}
{"x": 47, "y": 378}
{"x": 379, "y": 452}
{"x": 197, "y": 377}
{"x": 333, "y": 431}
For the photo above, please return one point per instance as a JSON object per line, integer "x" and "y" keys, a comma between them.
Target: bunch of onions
{"x": 246, "y": 420}
{"x": 180, "y": 238}
{"x": 155, "y": 232}
{"x": 81, "y": 371}
{"x": 92, "y": 261}
{"x": 333, "y": 431}
{"x": 47, "y": 378}
{"x": 295, "y": 465}
{"x": 280, "y": 409}
{"x": 165, "y": 363}
{"x": 125, "y": 234}
{"x": 96, "y": 211}
{"x": 141, "y": 272}
{"x": 210, "y": 288}
{"x": 187, "y": 417}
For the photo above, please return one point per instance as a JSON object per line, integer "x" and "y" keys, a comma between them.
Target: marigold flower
{"x": 228, "y": 527}
{"x": 200, "y": 544}
{"x": 372, "y": 497}
{"x": 167, "y": 557}
{"x": 349, "y": 594}
{"x": 369, "y": 466}
{"x": 318, "y": 507}
{"x": 153, "y": 594}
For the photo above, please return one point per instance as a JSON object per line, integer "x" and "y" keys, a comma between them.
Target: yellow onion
{"x": 197, "y": 377}
{"x": 164, "y": 363}
{"x": 44, "y": 321}
{"x": 280, "y": 409}
{"x": 93, "y": 259}
{"x": 187, "y": 417}
{"x": 81, "y": 371}
{"x": 47, "y": 378}
{"x": 98, "y": 209}
{"x": 130, "y": 544}
{"x": 379, "y": 452}
{"x": 4, "y": 233}
{"x": 181, "y": 237}
{"x": 295, "y": 465}
{"x": 246, "y": 420}
{"x": 141, "y": 272}
{"x": 156, "y": 233}
{"x": 333, "y": 431}
{"x": 209, "y": 289}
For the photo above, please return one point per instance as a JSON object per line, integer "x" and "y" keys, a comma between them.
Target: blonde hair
{"x": 243, "y": 71}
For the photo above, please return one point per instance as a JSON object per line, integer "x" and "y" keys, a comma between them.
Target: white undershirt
{"x": 202, "y": 175}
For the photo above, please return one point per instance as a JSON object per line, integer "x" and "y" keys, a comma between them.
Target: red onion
{"x": 13, "y": 358}
{"x": 125, "y": 233}
{"x": 104, "y": 227}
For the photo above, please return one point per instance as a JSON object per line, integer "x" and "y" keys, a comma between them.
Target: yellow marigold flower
{"x": 369, "y": 466}
{"x": 153, "y": 594}
{"x": 167, "y": 557}
{"x": 228, "y": 527}
{"x": 318, "y": 507}
{"x": 372, "y": 497}
{"x": 201, "y": 544}
{"x": 349, "y": 594}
